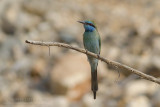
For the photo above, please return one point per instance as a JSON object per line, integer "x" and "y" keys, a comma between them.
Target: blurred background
{"x": 130, "y": 34}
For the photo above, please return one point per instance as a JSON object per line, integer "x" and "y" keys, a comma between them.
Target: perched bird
{"x": 92, "y": 43}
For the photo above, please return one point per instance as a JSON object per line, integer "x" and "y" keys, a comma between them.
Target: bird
{"x": 92, "y": 43}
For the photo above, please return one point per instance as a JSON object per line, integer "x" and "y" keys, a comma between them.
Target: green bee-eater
{"x": 92, "y": 43}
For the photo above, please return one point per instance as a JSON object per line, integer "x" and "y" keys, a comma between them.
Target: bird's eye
{"x": 91, "y": 24}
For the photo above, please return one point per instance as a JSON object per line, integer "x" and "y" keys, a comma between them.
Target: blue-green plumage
{"x": 92, "y": 43}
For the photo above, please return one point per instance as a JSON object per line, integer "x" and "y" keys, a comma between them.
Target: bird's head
{"x": 89, "y": 26}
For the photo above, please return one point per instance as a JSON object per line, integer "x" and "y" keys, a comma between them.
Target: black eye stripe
{"x": 91, "y": 25}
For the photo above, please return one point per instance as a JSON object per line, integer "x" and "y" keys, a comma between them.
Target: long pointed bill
{"x": 81, "y": 22}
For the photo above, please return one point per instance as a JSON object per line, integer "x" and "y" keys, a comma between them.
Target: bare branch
{"x": 109, "y": 62}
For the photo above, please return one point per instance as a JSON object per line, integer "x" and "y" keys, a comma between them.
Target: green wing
{"x": 99, "y": 39}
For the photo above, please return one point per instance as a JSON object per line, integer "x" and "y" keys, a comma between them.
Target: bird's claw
{"x": 98, "y": 56}
{"x": 86, "y": 51}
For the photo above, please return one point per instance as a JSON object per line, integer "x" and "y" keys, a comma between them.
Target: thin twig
{"x": 49, "y": 50}
{"x": 109, "y": 62}
{"x": 116, "y": 81}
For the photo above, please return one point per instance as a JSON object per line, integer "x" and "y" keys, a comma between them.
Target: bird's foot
{"x": 98, "y": 56}
{"x": 86, "y": 51}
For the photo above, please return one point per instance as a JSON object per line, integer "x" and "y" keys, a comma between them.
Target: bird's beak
{"x": 81, "y": 22}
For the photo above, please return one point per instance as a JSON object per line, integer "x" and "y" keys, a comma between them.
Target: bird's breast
{"x": 91, "y": 42}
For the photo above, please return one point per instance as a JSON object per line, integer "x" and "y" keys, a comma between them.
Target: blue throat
{"x": 89, "y": 28}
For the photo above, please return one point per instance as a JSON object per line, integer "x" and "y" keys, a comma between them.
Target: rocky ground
{"x": 130, "y": 33}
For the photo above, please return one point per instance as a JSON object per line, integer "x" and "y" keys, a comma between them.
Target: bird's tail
{"x": 94, "y": 82}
